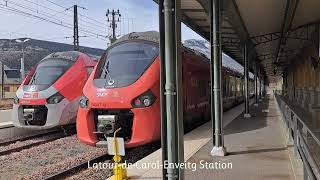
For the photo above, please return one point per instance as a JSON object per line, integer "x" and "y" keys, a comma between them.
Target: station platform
{"x": 7, "y": 130}
{"x": 257, "y": 148}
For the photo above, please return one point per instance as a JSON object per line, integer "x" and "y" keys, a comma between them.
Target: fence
{"x": 305, "y": 140}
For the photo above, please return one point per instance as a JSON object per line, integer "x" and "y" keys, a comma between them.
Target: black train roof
{"x": 152, "y": 36}
{"x": 69, "y": 55}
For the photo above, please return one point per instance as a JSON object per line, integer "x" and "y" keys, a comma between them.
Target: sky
{"x": 136, "y": 15}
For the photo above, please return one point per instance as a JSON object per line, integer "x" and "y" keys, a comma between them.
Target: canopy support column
{"x": 171, "y": 88}
{"x": 215, "y": 77}
{"x": 256, "y": 96}
{"x": 246, "y": 81}
{"x": 260, "y": 84}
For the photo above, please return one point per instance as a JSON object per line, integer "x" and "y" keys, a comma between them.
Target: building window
{"x": 6, "y": 89}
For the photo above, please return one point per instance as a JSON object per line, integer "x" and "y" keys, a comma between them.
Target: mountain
{"x": 35, "y": 50}
{"x": 203, "y": 47}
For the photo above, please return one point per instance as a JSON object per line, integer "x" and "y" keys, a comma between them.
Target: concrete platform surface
{"x": 193, "y": 141}
{"x": 5, "y": 115}
{"x": 256, "y": 147}
{"x": 7, "y": 130}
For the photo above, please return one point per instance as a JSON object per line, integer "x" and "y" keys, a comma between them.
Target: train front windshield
{"x": 49, "y": 71}
{"x": 125, "y": 63}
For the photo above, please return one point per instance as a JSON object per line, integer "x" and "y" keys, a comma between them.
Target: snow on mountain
{"x": 203, "y": 47}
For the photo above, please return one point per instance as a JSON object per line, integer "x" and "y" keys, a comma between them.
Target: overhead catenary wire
{"x": 92, "y": 21}
{"x": 47, "y": 19}
{"x": 48, "y": 15}
{"x": 93, "y": 25}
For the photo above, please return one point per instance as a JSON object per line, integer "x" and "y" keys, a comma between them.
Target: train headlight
{"x": 84, "y": 102}
{"x": 16, "y": 100}
{"x": 147, "y": 102}
{"x": 55, "y": 99}
{"x": 144, "y": 100}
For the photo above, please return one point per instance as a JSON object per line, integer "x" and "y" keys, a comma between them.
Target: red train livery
{"x": 123, "y": 91}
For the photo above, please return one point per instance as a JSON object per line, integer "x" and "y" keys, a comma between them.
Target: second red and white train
{"x": 49, "y": 95}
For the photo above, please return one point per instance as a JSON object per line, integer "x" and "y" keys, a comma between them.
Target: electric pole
{"x": 113, "y": 23}
{"x": 22, "y": 59}
{"x": 75, "y": 29}
{"x": 2, "y": 80}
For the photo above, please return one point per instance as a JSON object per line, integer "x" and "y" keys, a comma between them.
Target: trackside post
{"x": 119, "y": 170}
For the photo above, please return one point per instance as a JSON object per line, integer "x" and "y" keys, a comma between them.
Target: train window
{"x": 202, "y": 88}
{"x": 125, "y": 63}
{"x": 48, "y": 71}
{"x": 227, "y": 86}
{"x": 231, "y": 86}
{"x": 225, "y": 90}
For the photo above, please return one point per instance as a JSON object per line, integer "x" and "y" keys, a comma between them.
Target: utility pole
{"x": 75, "y": 28}
{"x": 2, "y": 80}
{"x": 22, "y": 59}
{"x": 113, "y": 23}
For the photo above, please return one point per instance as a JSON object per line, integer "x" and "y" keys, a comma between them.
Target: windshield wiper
{"x": 107, "y": 73}
{"x": 33, "y": 78}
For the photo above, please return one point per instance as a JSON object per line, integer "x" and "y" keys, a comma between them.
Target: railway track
{"x": 20, "y": 144}
{"x": 11, "y": 141}
{"x": 77, "y": 168}
{"x": 79, "y": 171}
{"x": 28, "y": 145}
{"x": 45, "y": 133}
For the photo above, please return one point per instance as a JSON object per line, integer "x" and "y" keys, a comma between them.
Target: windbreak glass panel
{"x": 125, "y": 63}
{"x": 49, "y": 71}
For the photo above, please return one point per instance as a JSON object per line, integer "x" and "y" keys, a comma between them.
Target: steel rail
{"x": 76, "y": 168}
{"x": 27, "y": 146}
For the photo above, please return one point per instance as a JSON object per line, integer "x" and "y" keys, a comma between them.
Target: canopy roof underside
{"x": 276, "y": 30}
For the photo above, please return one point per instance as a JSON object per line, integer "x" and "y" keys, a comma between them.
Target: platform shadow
{"x": 258, "y": 151}
{"x": 258, "y": 119}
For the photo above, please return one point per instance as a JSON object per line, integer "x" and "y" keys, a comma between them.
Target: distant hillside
{"x": 35, "y": 50}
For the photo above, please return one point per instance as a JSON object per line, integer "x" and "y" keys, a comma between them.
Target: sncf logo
{"x": 101, "y": 94}
{"x": 26, "y": 95}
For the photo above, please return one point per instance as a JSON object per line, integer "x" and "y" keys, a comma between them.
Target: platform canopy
{"x": 276, "y": 30}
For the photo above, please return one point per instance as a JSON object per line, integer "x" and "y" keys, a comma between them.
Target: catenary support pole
{"x": 113, "y": 25}
{"x": 246, "y": 81}
{"x": 2, "y": 80}
{"x": 173, "y": 87}
{"x": 215, "y": 75}
{"x": 22, "y": 63}
{"x": 75, "y": 28}
{"x": 256, "y": 83}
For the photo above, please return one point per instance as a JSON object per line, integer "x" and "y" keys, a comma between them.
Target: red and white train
{"x": 49, "y": 95}
{"x": 123, "y": 91}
